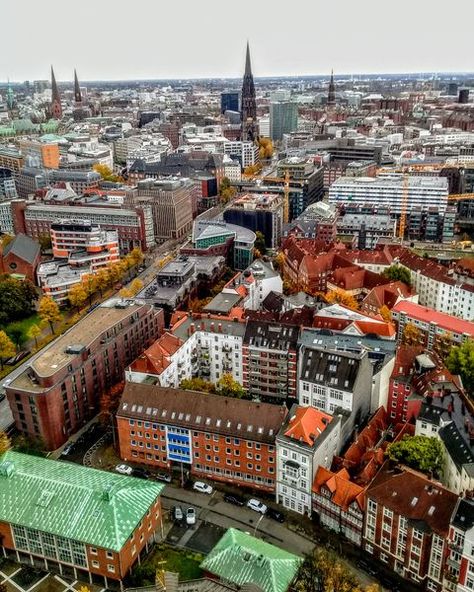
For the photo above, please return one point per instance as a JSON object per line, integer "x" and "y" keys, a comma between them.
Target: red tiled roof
{"x": 381, "y": 329}
{"x": 415, "y": 497}
{"x": 427, "y": 315}
{"x": 157, "y": 357}
{"x": 307, "y": 424}
{"x": 343, "y": 491}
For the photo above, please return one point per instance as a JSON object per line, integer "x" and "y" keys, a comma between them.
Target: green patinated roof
{"x": 88, "y": 505}
{"x": 241, "y": 559}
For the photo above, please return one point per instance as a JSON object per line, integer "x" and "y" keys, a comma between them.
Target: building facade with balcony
{"x": 60, "y": 390}
{"x": 308, "y": 439}
{"x": 269, "y": 360}
{"x": 221, "y": 438}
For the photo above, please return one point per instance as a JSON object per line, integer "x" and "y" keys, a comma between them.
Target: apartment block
{"x": 308, "y": 439}
{"x": 269, "y": 360}
{"x": 68, "y": 518}
{"x": 60, "y": 390}
{"x": 221, "y": 438}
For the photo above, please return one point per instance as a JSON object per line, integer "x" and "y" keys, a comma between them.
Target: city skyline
{"x": 205, "y": 42}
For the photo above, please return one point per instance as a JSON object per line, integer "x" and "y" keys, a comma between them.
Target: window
{"x": 93, "y": 551}
{"x": 95, "y": 564}
{"x": 109, "y": 555}
{"x": 110, "y": 568}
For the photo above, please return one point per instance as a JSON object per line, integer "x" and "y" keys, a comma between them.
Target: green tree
{"x": 34, "y": 332}
{"x": 7, "y": 347}
{"x": 30, "y": 445}
{"x": 421, "y": 453}
{"x": 16, "y": 335}
{"x": 48, "y": 311}
{"x": 260, "y": 242}
{"x": 44, "y": 240}
{"x": 228, "y": 387}
{"x": 17, "y": 299}
{"x": 461, "y": 361}
{"x": 5, "y": 443}
{"x": 397, "y": 273}
{"x": 197, "y": 384}
{"x": 77, "y": 296}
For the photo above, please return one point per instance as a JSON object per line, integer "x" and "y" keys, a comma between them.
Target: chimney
{"x": 192, "y": 327}
{"x": 220, "y": 327}
{"x": 202, "y": 325}
{"x": 212, "y": 327}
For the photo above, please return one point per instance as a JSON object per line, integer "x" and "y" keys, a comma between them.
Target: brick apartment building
{"x": 70, "y": 519}
{"x": 269, "y": 360}
{"x": 21, "y": 256}
{"x": 134, "y": 226}
{"x": 58, "y": 392}
{"x": 221, "y": 438}
{"x": 407, "y": 523}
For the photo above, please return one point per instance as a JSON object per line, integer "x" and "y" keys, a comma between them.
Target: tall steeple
{"x": 10, "y": 97}
{"x": 249, "y": 104}
{"x": 56, "y": 108}
{"x": 77, "y": 89}
{"x": 332, "y": 90}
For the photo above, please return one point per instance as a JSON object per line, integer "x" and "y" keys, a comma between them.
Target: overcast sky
{"x": 133, "y": 39}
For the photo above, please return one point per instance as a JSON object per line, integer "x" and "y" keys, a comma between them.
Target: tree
{"x": 135, "y": 256}
{"x": 7, "y": 347}
{"x": 106, "y": 173}
{"x": 126, "y": 293}
{"x": 48, "y": 311}
{"x": 461, "y": 361}
{"x": 89, "y": 283}
{"x": 339, "y": 296}
{"x": 16, "y": 299}
{"x": 77, "y": 296}
{"x": 385, "y": 313}
{"x": 5, "y": 443}
{"x": 44, "y": 240}
{"x": 196, "y": 305}
{"x": 197, "y": 384}
{"x": 322, "y": 571}
{"x": 279, "y": 261}
{"x": 411, "y": 335}
{"x": 102, "y": 278}
{"x": 109, "y": 401}
{"x": 34, "y": 332}
{"x": 16, "y": 335}
{"x": 397, "y": 273}
{"x": 30, "y": 445}
{"x": 421, "y": 453}
{"x": 260, "y": 242}
{"x": 136, "y": 286}
{"x": 265, "y": 148}
{"x": 229, "y": 387}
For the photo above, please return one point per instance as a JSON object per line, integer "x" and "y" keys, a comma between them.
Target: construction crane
{"x": 403, "y": 213}
{"x": 460, "y": 196}
{"x": 286, "y": 189}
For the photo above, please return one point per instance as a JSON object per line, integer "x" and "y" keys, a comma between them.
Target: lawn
{"x": 185, "y": 563}
{"x": 24, "y": 325}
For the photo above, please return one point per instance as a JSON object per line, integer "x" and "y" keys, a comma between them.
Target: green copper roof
{"x": 88, "y": 505}
{"x": 241, "y": 559}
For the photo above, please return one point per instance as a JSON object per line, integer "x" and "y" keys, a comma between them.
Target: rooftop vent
{"x": 7, "y": 468}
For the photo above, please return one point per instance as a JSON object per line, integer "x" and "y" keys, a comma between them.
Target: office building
{"x": 221, "y": 438}
{"x": 389, "y": 191}
{"x": 38, "y": 154}
{"x": 61, "y": 389}
{"x": 11, "y": 159}
{"x": 246, "y": 153}
{"x": 68, "y": 518}
{"x": 283, "y": 119}
{"x": 230, "y": 101}
{"x": 259, "y": 213}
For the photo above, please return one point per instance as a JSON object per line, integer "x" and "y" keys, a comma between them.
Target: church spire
{"x": 77, "y": 89}
{"x": 249, "y": 103}
{"x": 332, "y": 90}
{"x": 56, "y": 108}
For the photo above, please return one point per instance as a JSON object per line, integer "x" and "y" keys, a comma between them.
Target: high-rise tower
{"x": 249, "y": 104}
{"x": 332, "y": 91}
{"x": 77, "y": 89}
{"x": 56, "y": 108}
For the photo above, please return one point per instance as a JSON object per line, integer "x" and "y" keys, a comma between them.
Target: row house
{"x": 308, "y": 439}
{"x": 449, "y": 419}
{"x": 438, "y": 330}
{"x": 459, "y": 572}
{"x": 221, "y": 438}
{"x": 60, "y": 389}
{"x": 407, "y": 522}
{"x": 330, "y": 379}
{"x": 417, "y": 376}
{"x": 68, "y": 518}
{"x": 208, "y": 348}
{"x": 338, "y": 317}
{"x": 269, "y": 360}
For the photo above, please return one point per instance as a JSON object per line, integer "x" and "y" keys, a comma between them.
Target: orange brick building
{"x": 220, "y": 438}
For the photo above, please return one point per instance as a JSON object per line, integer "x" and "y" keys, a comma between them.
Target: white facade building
{"x": 6, "y": 220}
{"x": 245, "y": 152}
{"x": 259, "y": 279}
{"x": 390, "y": 191}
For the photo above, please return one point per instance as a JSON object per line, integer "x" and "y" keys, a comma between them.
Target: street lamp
{"x": 258, "y": 522}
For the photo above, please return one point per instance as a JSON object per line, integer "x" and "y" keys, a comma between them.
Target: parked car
{"x": 257, "y": 506}
{"x": 166, "y": 477}
{"x": 275, "y": 515}
{"x": 141, "y": 473}
{"x": 124, "y": 469}
{"x": 202, "y": 487}
{"x": 232, "y": 498}
{"x": 68, "y": 449}
{"x": 190, "y": 516}
{"x": 177, "y": 513}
